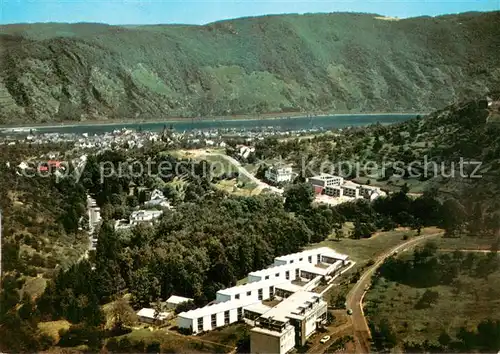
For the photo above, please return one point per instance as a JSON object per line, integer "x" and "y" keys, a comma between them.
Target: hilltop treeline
{"x": 289, "y": 63}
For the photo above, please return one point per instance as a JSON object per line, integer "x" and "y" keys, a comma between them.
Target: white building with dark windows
{"x": 320, "y": 182}
{"x": 288, "y": 324}
{"x": 351, "y": 189}
{"x": 260, "y": 290}
{"x": 212, "y": 316}
{"x": 279, "y": 174}
{"x": 288, "y": 281}
{"x": 284, "y": 272}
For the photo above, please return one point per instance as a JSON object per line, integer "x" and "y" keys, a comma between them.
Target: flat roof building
{"x": 212, "y": 316}
{"x": 259, "y": 290}
{"x": 303, "y": 310}
{"x": 174, "y": 300}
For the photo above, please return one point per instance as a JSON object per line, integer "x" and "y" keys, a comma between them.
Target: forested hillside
{"x": 290, "y": 63}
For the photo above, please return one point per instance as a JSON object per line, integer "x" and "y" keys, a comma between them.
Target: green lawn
{"x": 176, "y": 342}
{"x": 365, "y": 249}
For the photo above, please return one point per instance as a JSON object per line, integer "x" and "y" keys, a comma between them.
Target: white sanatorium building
{"x": 293, "y": 320}
{"x": 212, "y": 316}
{"x": 278, "y": 174}
{"x": 258, "y": 291}
{"x": 289, "y": 323}
{"x": 335, "y": 186}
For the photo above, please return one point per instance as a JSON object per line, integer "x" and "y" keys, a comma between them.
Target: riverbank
{"x": 126, "y": 122}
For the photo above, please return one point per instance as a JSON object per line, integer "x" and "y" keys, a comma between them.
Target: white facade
{"x": 258, "y": 291}
{"x": 325, "y": 180}
{"x": 147, "y": 315}
{"x": 284, "y": 272}
{"x": 278, "y": 174}
{"x": 263, "y": 340}
{"x": 303, "y": 309}
{"x": 212, "y": 316}
{"x": 313, "y": 256}
{"x": 334, "y": 191}
{"x": 144, "y": 216}
{"x": 351, "y": 189}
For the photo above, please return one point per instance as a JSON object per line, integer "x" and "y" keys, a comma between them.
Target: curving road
{"x": 242, "y": 170}
{"x": 362, "y": 336}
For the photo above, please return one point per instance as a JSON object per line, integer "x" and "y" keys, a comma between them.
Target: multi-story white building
{"x": 289, "y": 323}
{"x": 212, "y": 316}
{"x": 232, "y": 304}
{"x": 260, "y": 290}
{"x": 320, "y": 182}
{"x": 278, "y": 174}
{"x": 334, "y": 191}
{"x": 351, "y": 189}
{"x": 313, "y": 256}
{"x": 284, "y": 272}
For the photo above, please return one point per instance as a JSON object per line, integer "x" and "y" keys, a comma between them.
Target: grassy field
{"x": 478, "y": 299}
{"x": 52, "y": 328}
{"x": 34, "y": 286}
{"x": 465, "y": 243}
{"x": 364, "y": 250}
{"x": 218, "y": 341}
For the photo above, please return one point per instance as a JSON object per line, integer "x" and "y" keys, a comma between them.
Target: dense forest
{"x": 339, "y": 62}
{"x": 207, "y": 242}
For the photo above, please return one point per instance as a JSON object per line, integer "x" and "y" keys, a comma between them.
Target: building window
{"x": 226, "y": 317}
{"x": 271, "y": 291}
{"x": 291, "y": 261}
{"x": 310, "y": 258}
{"x": 318, "y": 260}
{"x": 287, "y": 274}
{"x": 267, "y": 277}
{"x": 213, "y": 320}
{"x": 297, "y": 273}
{"x": 249, "y": 293}
{"x": 200, "y": 324}
{"x": 300, "y": 259}
{"x": 260, "y": 294}
{"x": 277, "y": 275}
{"x": 237, "y": 296}
{"x": 240, "y": 313}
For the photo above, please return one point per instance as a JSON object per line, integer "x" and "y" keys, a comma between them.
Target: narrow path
{"x": 362, "y": 336}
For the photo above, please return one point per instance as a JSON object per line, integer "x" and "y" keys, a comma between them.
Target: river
{"x": 284, "y": 124}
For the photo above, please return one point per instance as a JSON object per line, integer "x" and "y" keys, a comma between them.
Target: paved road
{"x": 242, "y": 170}
{"x": 355, "y": 297}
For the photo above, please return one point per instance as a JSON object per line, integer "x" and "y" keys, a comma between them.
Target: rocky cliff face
{"x": 335, "y": 62}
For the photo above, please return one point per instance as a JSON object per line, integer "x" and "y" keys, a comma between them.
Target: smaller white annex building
{"x": 258, "y": 291}
{"x": 147, "y": 315}
{"x": 174, "y": 301}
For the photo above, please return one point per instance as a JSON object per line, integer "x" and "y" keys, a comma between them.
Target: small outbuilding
{"x": 174, "y": 300}
{"x": 147, "y": 315}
